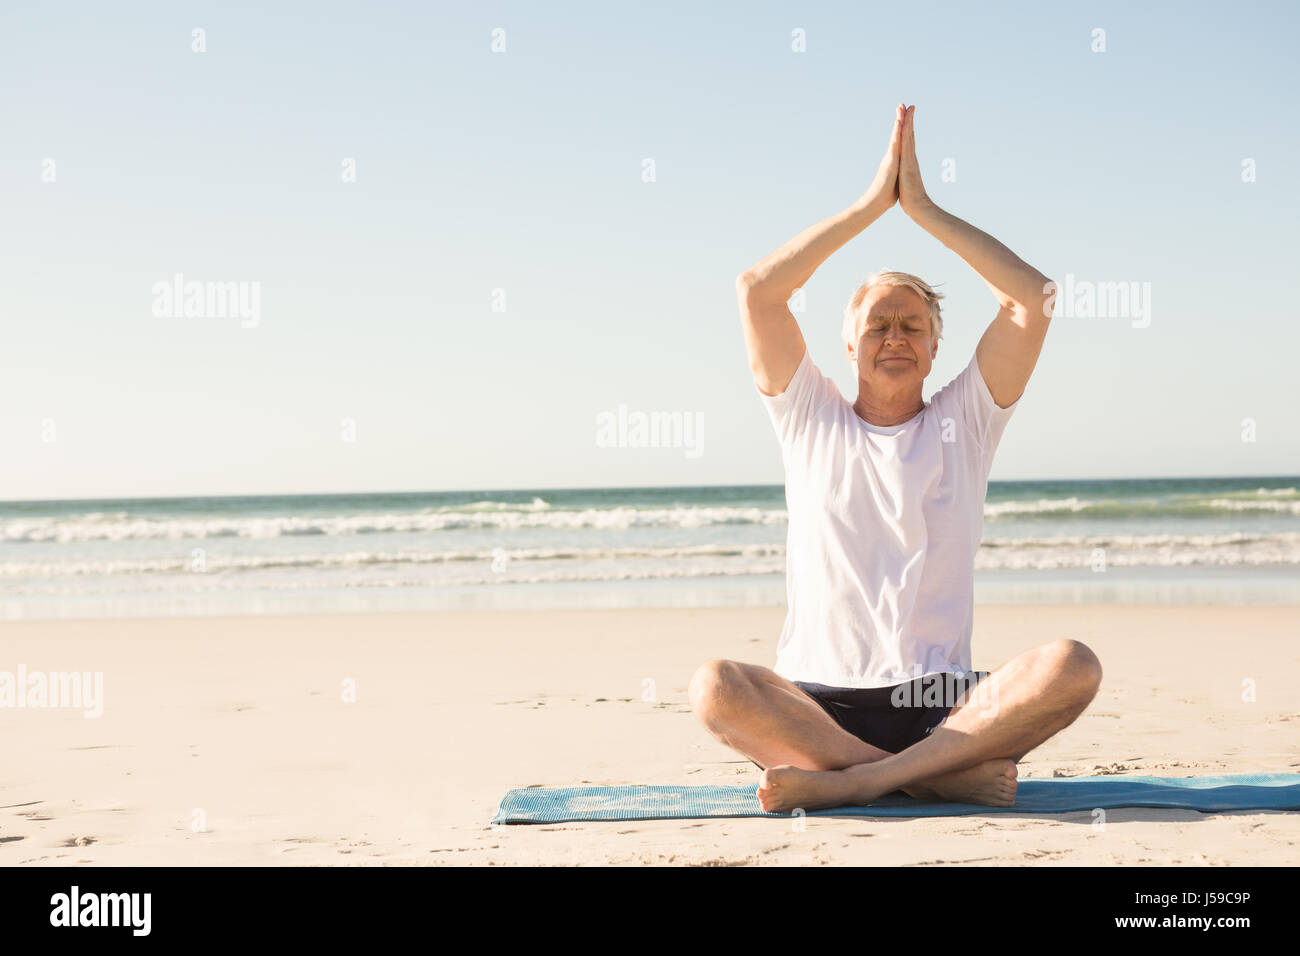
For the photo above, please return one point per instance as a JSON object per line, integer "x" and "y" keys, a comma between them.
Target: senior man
{"x": 873, "y": 689}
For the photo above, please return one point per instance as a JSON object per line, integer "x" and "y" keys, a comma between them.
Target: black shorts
{"x": 893, "y": 718}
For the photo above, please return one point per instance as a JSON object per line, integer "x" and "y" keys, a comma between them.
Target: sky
{"x": 466, "y": 234}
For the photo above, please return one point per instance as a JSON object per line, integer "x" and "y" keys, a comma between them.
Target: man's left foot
{"x": 991, "y": 783}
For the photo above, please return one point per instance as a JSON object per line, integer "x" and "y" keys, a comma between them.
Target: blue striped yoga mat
{"x": 1242, "y": 791}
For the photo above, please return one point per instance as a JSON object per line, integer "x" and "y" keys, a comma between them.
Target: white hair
{"x": 887, "y": 277}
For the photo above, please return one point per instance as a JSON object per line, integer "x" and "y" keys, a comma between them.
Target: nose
{"x": 895, "y": 335}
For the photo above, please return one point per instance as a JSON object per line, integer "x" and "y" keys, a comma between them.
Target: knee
{"x": 714, "y": 686}
{"x": 1076, "y": 667}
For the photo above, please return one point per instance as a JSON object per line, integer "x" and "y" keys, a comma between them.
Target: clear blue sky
{"x": 522, "y": 171}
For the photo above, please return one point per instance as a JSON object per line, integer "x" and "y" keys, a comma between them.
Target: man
{"x": 872, "y": 690}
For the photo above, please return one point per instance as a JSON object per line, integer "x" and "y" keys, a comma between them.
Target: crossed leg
{"x": 809, "y": 761}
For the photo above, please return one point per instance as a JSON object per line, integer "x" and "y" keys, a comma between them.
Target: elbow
{"x": 1038, "y": 308}
{"x": 745, "y": 286}
{"x": 1047, "y": 303}
{"x": 755, "y": 291}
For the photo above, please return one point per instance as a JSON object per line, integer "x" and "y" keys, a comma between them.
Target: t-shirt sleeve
{"x": 793, "y": 409}
{"x": 968, "y": 398}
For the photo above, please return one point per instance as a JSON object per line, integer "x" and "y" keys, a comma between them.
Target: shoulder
{"x": 809, "y": 386}
{"x": 807, "y": 398}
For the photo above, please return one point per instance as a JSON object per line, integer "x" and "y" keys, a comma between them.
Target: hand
{"x": 911, "y": 191}
{"x": 883, "y": 191}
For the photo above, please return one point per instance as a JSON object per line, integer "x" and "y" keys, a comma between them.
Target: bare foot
{"x": 991, "y": 783}
{"x": 783, "y": 789}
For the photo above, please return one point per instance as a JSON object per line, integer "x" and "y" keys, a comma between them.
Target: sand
{"x": 229, "y": 740}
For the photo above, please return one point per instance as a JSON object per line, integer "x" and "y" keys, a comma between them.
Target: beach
{"x": 390, "y": 738}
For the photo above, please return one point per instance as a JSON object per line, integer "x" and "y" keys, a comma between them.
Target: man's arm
{"x": 1009, "y": 348}
{"x": 1008, "y": 351}
{"x": 772, "y": 335}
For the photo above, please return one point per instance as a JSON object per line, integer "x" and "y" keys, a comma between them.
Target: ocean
{"x": 1192, "y": 540}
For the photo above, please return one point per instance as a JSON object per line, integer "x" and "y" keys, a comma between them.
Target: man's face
{"x": 895, "y": 347}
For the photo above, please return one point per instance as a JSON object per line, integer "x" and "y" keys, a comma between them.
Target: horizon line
{"x": 454, "y": 491}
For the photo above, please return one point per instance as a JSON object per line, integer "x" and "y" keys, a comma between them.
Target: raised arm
{"x": 1008, "y": 351}
{"x": 772, "y": 335}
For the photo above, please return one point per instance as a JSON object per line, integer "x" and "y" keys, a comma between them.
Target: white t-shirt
{"x": 884, "y": 525}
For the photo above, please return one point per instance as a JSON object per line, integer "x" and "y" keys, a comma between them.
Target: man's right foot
{"x": 991, "y": 783}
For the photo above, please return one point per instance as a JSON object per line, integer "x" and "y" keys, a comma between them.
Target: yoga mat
{"x": 1242, "y": 791}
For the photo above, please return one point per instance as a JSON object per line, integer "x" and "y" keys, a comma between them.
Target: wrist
{"x": 922, "y": 209}
{"x": 874, "y": 204}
